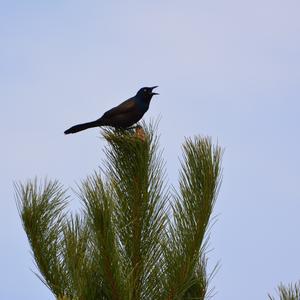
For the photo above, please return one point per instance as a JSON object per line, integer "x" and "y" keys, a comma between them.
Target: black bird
{"x": 124, "y": 115}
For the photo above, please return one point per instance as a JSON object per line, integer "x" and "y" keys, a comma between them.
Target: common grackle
{"x": 124, "y": 115}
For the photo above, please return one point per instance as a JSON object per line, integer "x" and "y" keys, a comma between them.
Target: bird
{"x": 124, "y": 115}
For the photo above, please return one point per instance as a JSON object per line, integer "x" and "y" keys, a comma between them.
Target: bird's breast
{"x": 142, "y": 106}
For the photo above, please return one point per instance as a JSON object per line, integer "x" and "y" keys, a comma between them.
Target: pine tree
{"x": 135, "y": 238}
{"x": 290, "y": 292}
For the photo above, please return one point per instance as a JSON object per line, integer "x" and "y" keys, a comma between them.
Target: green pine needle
{"x": 127, "y": 243}
{"x": 290, "y": 292}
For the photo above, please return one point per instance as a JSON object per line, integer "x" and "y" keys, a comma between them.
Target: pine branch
{"x": 290, "y": 292}
{"x": 136, "y": 174}
{"x": 79, "y": 260}
{"x": 193, "y": 204}
{"x": 99, "y": 211}
{"x": 42, "y": 212}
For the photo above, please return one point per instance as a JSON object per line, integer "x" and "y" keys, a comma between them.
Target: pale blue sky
{"x": 227, "y": 69}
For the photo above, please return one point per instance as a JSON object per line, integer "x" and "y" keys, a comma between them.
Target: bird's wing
{"x": 125, "y": 107}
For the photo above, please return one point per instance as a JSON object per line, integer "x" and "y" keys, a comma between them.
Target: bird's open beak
{"x": 154, "y": 87}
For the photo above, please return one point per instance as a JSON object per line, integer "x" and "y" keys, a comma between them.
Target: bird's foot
{"x": 134, "y": 127}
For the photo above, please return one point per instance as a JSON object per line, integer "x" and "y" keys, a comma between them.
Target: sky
{"x": 225, "y": 69}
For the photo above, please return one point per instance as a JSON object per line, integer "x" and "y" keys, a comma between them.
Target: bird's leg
{"x": 134, "y": 127}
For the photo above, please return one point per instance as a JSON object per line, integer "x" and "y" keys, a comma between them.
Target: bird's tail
{"x": 81, "y": 127}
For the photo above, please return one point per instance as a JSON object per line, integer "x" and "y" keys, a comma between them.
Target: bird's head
{"x": 146, "y": 93}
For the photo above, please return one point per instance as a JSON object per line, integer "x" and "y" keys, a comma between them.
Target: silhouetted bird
{"x": 124, "y": 115}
